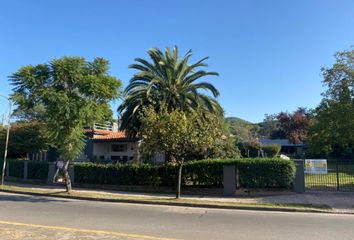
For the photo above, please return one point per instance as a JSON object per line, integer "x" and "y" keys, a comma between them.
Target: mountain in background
{"x": 242, "y": 129}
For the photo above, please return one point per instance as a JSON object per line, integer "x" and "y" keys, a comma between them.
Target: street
{"x": 53, "y": 218}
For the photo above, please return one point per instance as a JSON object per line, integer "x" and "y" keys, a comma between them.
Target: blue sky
{"x": 268, "y": 53}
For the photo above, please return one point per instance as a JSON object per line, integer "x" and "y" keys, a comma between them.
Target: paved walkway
{"x": 339, "y": 201}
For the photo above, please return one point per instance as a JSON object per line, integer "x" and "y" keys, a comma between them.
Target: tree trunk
{"x": 179, "y": 180}
{"x": 67, "y": 177}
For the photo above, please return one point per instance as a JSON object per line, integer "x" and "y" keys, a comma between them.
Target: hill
{"x": 243, "y": 129}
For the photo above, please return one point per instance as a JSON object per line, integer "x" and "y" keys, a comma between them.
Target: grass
{"x": 131, "y": 198}
{"x": 329, "y": 181}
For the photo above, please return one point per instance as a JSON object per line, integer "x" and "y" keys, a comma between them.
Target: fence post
{"x": 229, "y": 182}
{"x": 299, "y": 181}
{"x": 25, "y": 170}
{"x": 337, "y": 174}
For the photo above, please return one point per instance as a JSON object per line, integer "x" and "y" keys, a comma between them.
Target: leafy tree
{"x": 170, "y": 80}
{"x": 293, "y": 126}
{"x": 269, "y": 127}
{"x": 25, "y": 137}
{"x": 72, "y": 92}
{"x": 177, "y": 134}
{"x": 342, "y": 72}
{"x": 332, "y": 133}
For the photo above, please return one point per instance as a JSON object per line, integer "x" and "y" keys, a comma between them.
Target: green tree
{"x": 72, "y": 92}
{"x": 332, "y": 132}
{"x": 25, "y": 138}
{"x": 177, "y": 134}
{"x": 170, "y": 80}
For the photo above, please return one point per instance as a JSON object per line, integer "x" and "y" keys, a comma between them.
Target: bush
{"x": 253, "y": 173}
{"x": 119, "y": 174}
{"x": 249, "y": 149}
{"x": 271, "y": 151}
{"x": 15, "y": 168}
{"x": 37, "y": 170}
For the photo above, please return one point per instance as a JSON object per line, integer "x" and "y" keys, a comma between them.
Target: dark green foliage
{"x": 254, "y": 173}
{"x": 73, "y": 93}
{"x": 249, "y": 149}
{"x": 266, "y": 173}
{"x": 120, "y": 174}
{"x": 332, "y": 131}
{"x": 171, "y": 79}
{"x": 25, "y": 138}
{"x": 243, "y": 130}
{"x": 16, "y": 168}
{"x": 37, "y": 170}
{"x": 271, "y": 151}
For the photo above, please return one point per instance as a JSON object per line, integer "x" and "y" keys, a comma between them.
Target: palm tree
{"x": 168, "y": 80}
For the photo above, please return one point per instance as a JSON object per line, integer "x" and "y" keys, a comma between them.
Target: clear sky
{"x": 268, "y": 53}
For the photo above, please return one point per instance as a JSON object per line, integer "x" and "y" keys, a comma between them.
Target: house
{"x": 106, "y": 143}
{"x": 287, "y": 147}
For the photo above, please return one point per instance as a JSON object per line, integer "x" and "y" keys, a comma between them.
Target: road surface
{"x": 52, "y": 218}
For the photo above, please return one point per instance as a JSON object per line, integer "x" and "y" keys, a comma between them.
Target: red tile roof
{"x": 100, "y": 134}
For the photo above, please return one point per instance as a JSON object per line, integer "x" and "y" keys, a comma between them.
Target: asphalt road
{"x": 157, "y": 222}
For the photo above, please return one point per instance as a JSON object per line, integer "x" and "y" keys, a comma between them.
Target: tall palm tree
{"x": 170, "y": 80}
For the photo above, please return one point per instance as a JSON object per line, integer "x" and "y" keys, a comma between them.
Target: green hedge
{"x": 15, "y": 168}
{"x": 37, "y": 170}
{"x": 119, "y": 174}
{"x": 253, "y": 173}
{"x": 271, "y": 150}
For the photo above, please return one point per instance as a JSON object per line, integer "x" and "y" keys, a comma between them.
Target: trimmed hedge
{"x": 37, "y": 170}
{"x": 271, "y": 150}
{"x": 15, "y": 168}
{"x": 253, "y": 173}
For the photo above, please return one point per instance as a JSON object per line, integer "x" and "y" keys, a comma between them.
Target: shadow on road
{"x": 32, "y": 199}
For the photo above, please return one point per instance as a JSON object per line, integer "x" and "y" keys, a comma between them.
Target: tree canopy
{"x": 180, "y": 135}
{"x": 25, "y": 138}
{"x": 167, "y": 79}
{"x": 332, "y": 133}
{"x": 72, "y": 92}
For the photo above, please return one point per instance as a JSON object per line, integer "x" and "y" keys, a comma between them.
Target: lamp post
{"x": 7, "y": 140}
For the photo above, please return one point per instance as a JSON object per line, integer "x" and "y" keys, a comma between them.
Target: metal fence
{"x": 339, "y": 177}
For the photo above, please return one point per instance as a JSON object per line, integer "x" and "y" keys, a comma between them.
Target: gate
{"x": 339, "y": 177}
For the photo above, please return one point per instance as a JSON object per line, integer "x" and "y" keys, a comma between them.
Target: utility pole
{"x": 7, "y": 140}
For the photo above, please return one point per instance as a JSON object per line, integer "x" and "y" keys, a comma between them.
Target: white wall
{"x": 105, "y": 149}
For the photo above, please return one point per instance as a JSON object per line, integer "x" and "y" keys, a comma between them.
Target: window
{"x": 119, "y": 147}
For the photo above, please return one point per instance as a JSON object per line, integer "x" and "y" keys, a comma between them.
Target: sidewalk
{"x": 338, "y": 202}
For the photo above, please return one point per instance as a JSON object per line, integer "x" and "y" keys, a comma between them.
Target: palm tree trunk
{"x": 67, "y": 177}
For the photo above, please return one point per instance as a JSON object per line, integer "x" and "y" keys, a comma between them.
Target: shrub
{"x": 37, "y": 170}
{"x": 253, "y": 173}
{"x": 15, "y": 168}
{"x": 249, "y": 149}
{"x": 271, "y": 151}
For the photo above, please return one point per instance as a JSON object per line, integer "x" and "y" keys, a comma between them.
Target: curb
{"x": 181, "y": 204}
